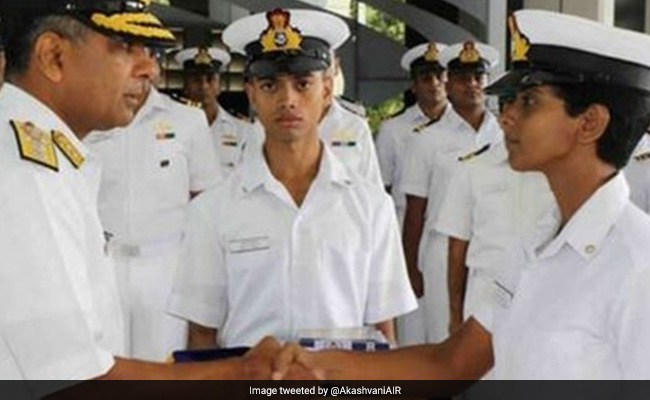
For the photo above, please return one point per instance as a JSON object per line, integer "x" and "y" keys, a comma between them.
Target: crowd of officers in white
{"x": 216, "y": 241}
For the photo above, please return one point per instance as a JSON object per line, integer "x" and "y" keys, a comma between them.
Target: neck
{"x": 41, "y": 90}
{"x": 433, "y": 111}
{"x": 575, "y": 181}
{"x": 472, "y": 115}
{"x": 211, "y": 111}
{"x": 295, "y": 164}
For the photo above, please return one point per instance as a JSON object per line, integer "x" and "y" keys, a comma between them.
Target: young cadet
{"x": 488, "y": 207}
{"x": 428, "y": 80}
{"x": 429, "y": 163}
{"x": 293, "y": 240}
{"x": 150, "y": 171}
{"x": 201, "y": 83}
{"x": 576, "y": 103}
{"x": 346, "y": 132}
{"x": 73, "y": 67}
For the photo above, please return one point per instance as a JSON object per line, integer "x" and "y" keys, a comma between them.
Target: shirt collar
{"x": 155, "y": 100}
{"x": 22, "y": 106}
{"x": 256, "y": 172}
{"x": 588, "y": 228}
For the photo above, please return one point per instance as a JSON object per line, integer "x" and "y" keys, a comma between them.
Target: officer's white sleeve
{"x": 630, "y": 324}
{"x": 44, "y": 331}
{"x": 455, "y": 216}
{"x": 389, "y": 291}
{"x": 386, "y": 153}
{"x": 200, "y": 288}
{"x": 205, "y": 170}
{"x": 369, "y": 162}
{"x": 416, "y": 174}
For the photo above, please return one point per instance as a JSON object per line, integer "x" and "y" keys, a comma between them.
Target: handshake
{"x": 270, "y": 360}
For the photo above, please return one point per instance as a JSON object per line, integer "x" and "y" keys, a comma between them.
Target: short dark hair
{"x": 629, "y": 112}
{"x": 19, "y": 49}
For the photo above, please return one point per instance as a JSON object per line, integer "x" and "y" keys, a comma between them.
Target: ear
{"x": 250, "y": 93}
{"x": 593, "y": 123}
{"x": 50, "y": 51}
{"x": 328, "y": 88}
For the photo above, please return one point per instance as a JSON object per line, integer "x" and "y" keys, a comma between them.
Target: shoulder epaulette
{"x": 35, "y": 144}
{"x": 424, "y": 126}
{"x": 68, "y": 149}
{"x": 397, "y": 114}
{"x": 186, "y": 101}
{"x": 474, "y": 154}
{"x": 353, "y": 107}
{"x": 643, "y": 156}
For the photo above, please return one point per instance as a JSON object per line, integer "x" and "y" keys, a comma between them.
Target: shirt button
{"x": 590, "y": 249}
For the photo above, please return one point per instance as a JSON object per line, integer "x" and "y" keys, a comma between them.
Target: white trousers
{"x": 433, "y": 264}
{"x": 411, "y": 328}
{"x": 145, "y": 281}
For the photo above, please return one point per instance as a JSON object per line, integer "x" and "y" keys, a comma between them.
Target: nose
{"x": 145, "y": 64}
{"x": 507, "y": 115}
{"x": 287, "y": 96}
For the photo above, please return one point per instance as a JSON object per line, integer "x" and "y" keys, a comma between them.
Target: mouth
{"x": 288, "y": 120}
{"x": 132, "y": 100}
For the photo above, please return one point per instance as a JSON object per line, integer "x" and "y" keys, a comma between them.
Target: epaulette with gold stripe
{"x": 474, "y": 154}
{"x": 68, "y": 149}
{"x": 643, "y": 156}
{"x": 187, "y": 102}
{"x": 424, "y": 126}
{"x": 35, "y": 144}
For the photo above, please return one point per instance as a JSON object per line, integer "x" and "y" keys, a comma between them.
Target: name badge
{"x": 248, "y": 245}
{"x": 502, "y": 295}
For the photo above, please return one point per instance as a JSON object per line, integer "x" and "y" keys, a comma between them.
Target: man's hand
{"x": 295, "y": 363}
{"x": 257, "y": 364}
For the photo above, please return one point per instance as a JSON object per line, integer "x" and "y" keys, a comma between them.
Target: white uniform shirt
{"x": 492, "y": 206}
{"x": 637, "y": 173}
{"x": 580, "y": 306}
{"x": 229, "y": 135}
{"x": 391, "y": 142}
{"x": 150, "y": 168}
{"x": 432, "y": 156}
{"x": 348, "y": 136}
{"x": 60, "y": 314}
{"x": 255, "y": 264}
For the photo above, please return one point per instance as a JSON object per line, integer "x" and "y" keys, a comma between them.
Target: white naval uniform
{"x": 637, "y": 173}
{"x": 429, "y": 164}
{"x": 149, "y": 169}
{"x": 229, "y": 135}
{"x": 348, "y": 136}
{"x": 579, "y": 307}
{"x": 61, "y": 316}
{"x": 255, "y": 264}
{"x": 492, "y": 207}
{"x": 391, "y": 142}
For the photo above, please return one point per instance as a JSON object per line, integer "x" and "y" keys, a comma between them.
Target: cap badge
{"x": 280, "y": 35}
{"x": 431, "y": 55}
{"x": 519, "y": 42}
{"x": 469, "y": 54}
{"x": 203, "y": 57}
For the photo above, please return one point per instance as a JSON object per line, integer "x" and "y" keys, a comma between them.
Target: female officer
{"x": 575, "y": 104}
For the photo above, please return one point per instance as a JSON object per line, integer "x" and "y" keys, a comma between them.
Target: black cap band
{"x": 421, "y": 66}
{"x": 456, "y": 65}
{"x": 314, "y": 55}
{"x": 576, "y": 67}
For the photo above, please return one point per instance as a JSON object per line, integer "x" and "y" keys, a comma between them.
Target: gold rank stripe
{"x": 474, "y": 153}
{"x": 643, "y": 156}
{"x": 68, "y": 149}
{"x": 35, "y": 144}
{"x": 138, "y": 24}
